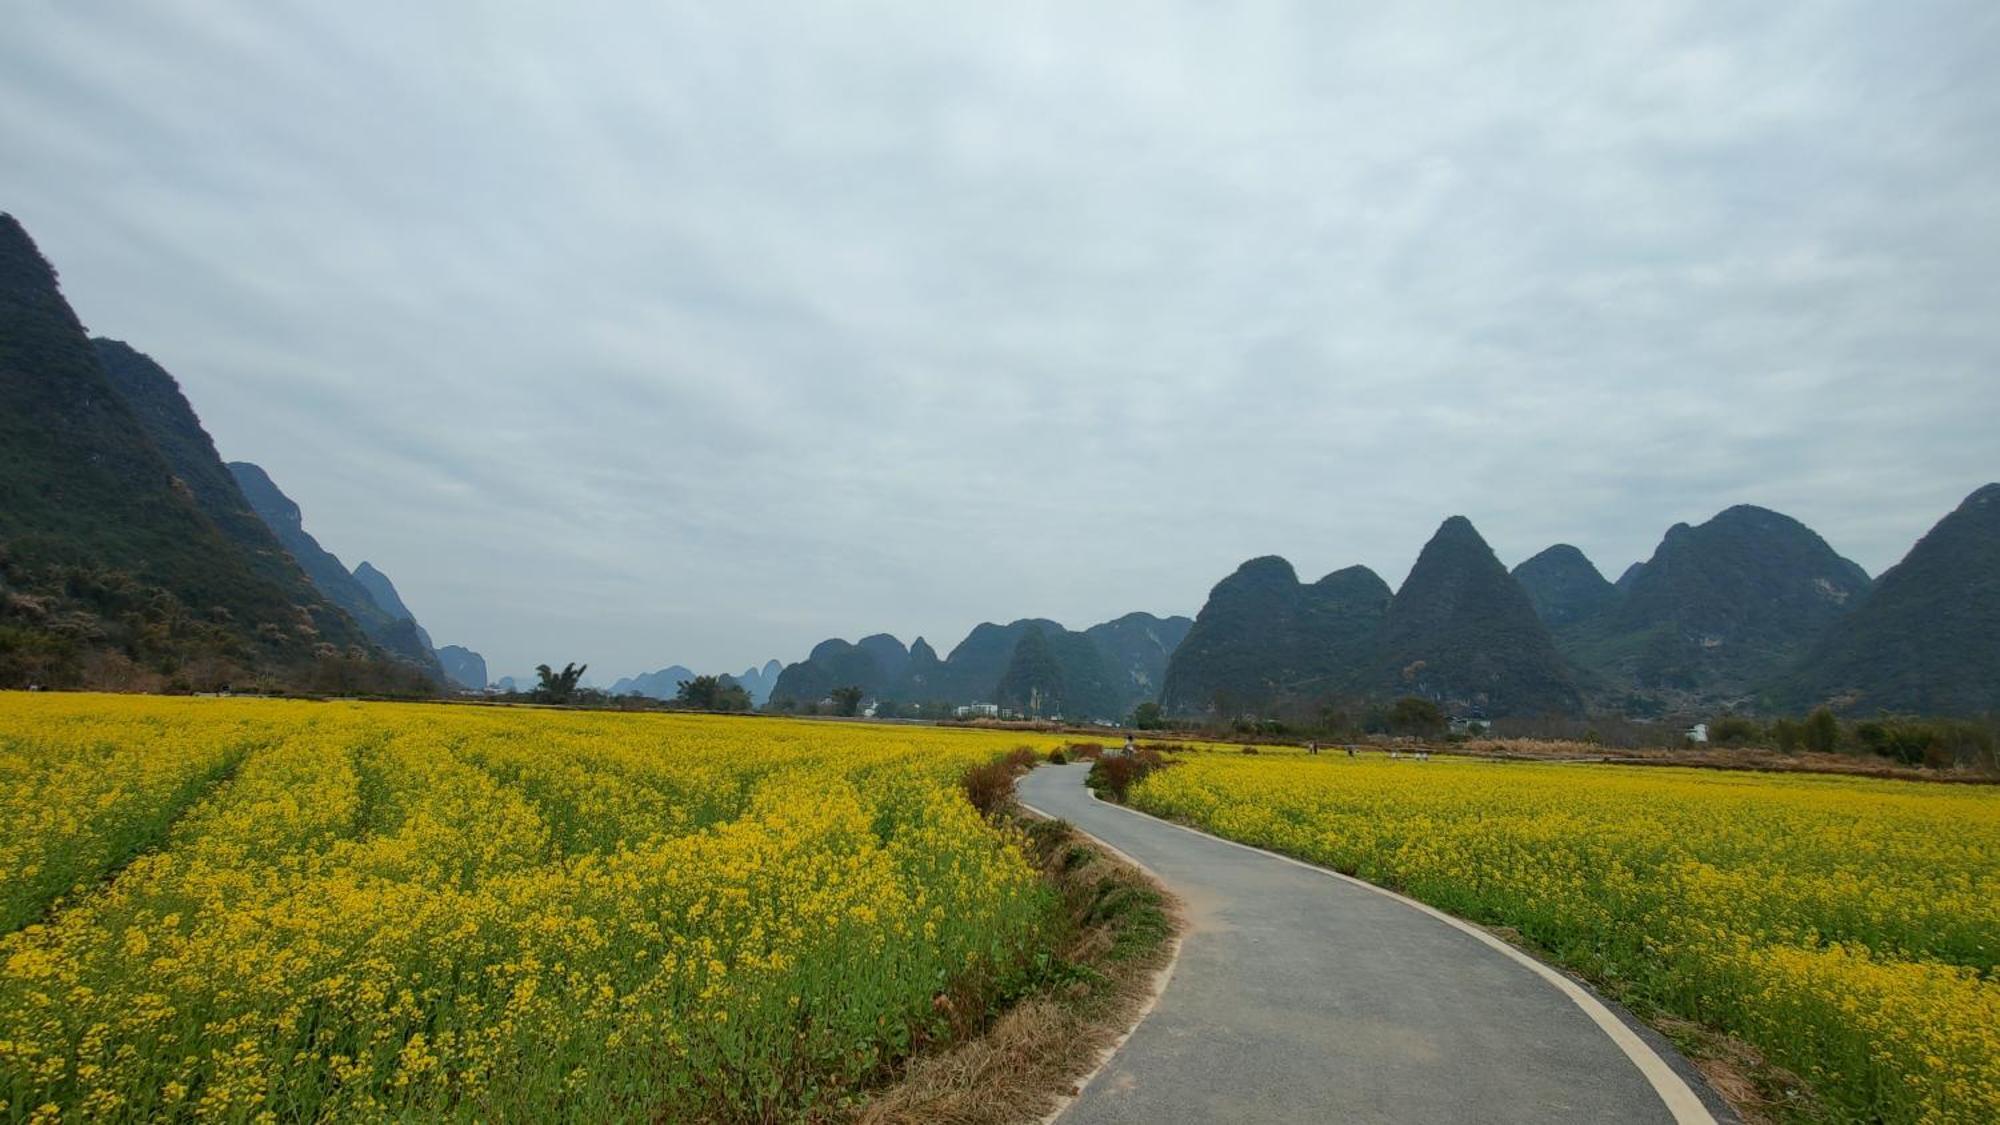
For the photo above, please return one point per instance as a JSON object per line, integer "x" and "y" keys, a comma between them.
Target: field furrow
{"x": 446, "y": 912}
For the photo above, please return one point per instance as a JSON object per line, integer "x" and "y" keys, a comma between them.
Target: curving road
{"x": 1301, "y": 995}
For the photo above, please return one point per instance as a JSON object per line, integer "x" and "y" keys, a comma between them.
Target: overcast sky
{"x": 642, "y": 333}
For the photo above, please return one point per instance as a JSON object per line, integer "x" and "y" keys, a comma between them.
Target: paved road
{"x": 1301, "y": 996}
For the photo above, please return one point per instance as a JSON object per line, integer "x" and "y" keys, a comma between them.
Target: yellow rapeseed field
{"x": 248, "y": 910}
{"x": 1849, "y": 928}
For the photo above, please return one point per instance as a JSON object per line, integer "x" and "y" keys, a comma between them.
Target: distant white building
{"x": 978, "y": 711}
{"x": 1698, "y": 733}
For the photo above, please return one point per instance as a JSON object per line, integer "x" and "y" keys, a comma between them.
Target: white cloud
{"x": 641, "y": 333}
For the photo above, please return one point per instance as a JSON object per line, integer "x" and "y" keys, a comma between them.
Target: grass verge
{"x": 1113, "y": 932}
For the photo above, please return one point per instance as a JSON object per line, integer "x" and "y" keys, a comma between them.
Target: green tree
{"x": 1734, "y": 730}
{"x": 1146, "y": 716}
{"x": 1416, "y": 716}
{"x": 558, "y": 687}
{"x": 712, "y": 693}
{"x": 1789, "y": 734}
{"x": 846, "y": 700}
{"x": 1822, "y": 732}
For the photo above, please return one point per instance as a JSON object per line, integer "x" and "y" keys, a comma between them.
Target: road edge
{"x": 1683, "y": 1102}
{"x": 1156, "y": 987}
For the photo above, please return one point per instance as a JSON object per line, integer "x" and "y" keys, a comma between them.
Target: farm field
{"x": 246, "y": 909}
{"x": 1848, "y": 928}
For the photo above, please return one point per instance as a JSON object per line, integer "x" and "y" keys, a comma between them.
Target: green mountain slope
{"x": 383, "y": 593}
{"x": 1564, "y": 587}
{"x": 399, "y": 636}
{"x": 1926, "y": 638}
{"x": 973, "y": 668}
{"x": 1462, "y": 631}
{"x": 836, "y": 663}
{"x": 1104, "y": 670}
{"x": 1264, "y": 638}
{"x": 114, "y": 571}
{"x": 465, "y": 667}
{"x": 1059, "y": 673}
{"x": 1719, "y": 610}
{"x": 171, "y": 425}
{"x": 1136, "y": 648}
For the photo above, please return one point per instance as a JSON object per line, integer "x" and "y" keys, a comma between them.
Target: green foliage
{"x": 1146, "y": 716}
{"x": 712, "y": 693}
{"x": 1937, "y": 743}
{"x": 1113, "y": 775}
{"x": 557, "y": 687}
{"x": 1822, "y": 732}
{"x": 1789, "y": 735}
{"x": 1416, "y": 716}
{"x": 1734, "y": 730}
{"x": 847, "y": 700}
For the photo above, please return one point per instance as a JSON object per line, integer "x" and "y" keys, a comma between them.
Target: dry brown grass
{"x": 990, "y": 787}
{"x": 1760, "y": 1092}
{"x": 1117, "y": 937}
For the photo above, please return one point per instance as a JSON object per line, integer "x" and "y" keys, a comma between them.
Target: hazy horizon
{"x": 639, "y": 335}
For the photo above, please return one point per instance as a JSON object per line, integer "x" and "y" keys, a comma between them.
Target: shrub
{"x": 1085, "y": 751}
{"x": 1789, "y": 734}
{"x": 1734, "y": 730}
{"x": 1937, "y": 743}
{"x": 1058, "y": 758}
{"x": 989, "y": 787}
{"x": 1822, "y": 733}
{"x": 1115, "y": 776}
{"x": 1249, "y": 749}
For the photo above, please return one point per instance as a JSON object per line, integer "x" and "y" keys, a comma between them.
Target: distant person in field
{"x": 1350, "y": 751}
{"x": 1312, "y": 747}
{"x": 1130, "y": 749}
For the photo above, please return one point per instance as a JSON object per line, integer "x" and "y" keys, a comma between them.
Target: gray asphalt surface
{"x": 1299, "y": 997}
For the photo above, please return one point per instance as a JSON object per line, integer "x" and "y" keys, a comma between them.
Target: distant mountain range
{"x": 666, "y": 683}
{"x": 1750, "y": 609}
{"x": 365, "y": 593}
{"x": 1720, "y": 611}
{"x": 1033, "y": 665}
{"x": 464, "y": 667}
{"x": 1461, "y": 631}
